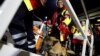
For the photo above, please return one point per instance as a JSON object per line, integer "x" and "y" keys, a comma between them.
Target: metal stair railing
{"x": 77, "y": 22}
{"x": 87, "y": 24}
{"x": 7, "y": 11}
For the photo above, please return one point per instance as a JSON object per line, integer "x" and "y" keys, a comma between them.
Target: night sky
{"x": 90, "y": 4}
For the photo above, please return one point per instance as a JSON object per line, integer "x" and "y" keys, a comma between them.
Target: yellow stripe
{"x": 63, "y": 12}
{"x": 67, "y": 21}
{"x": 61, "y": 37}
{"x": 98, "y": 20}
{"x": 28, "y": 5}
{"x": 73, "y": 29}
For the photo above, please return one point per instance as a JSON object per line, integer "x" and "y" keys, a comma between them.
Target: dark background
{"x": 51, "y": 6}
{"x": 90, "y": 4}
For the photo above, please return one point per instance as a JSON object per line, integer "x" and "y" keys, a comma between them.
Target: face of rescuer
{"x": 60, "y": 4}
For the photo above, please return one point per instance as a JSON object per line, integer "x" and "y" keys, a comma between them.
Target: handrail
{"x": 74, "y": 17}
{"x": 76, "y": 21}
{"x": 92, "y": 42}
{"x": 87, "y": 24}
{"x": 13, "y": 51}
{"x": 8, "y": 10}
